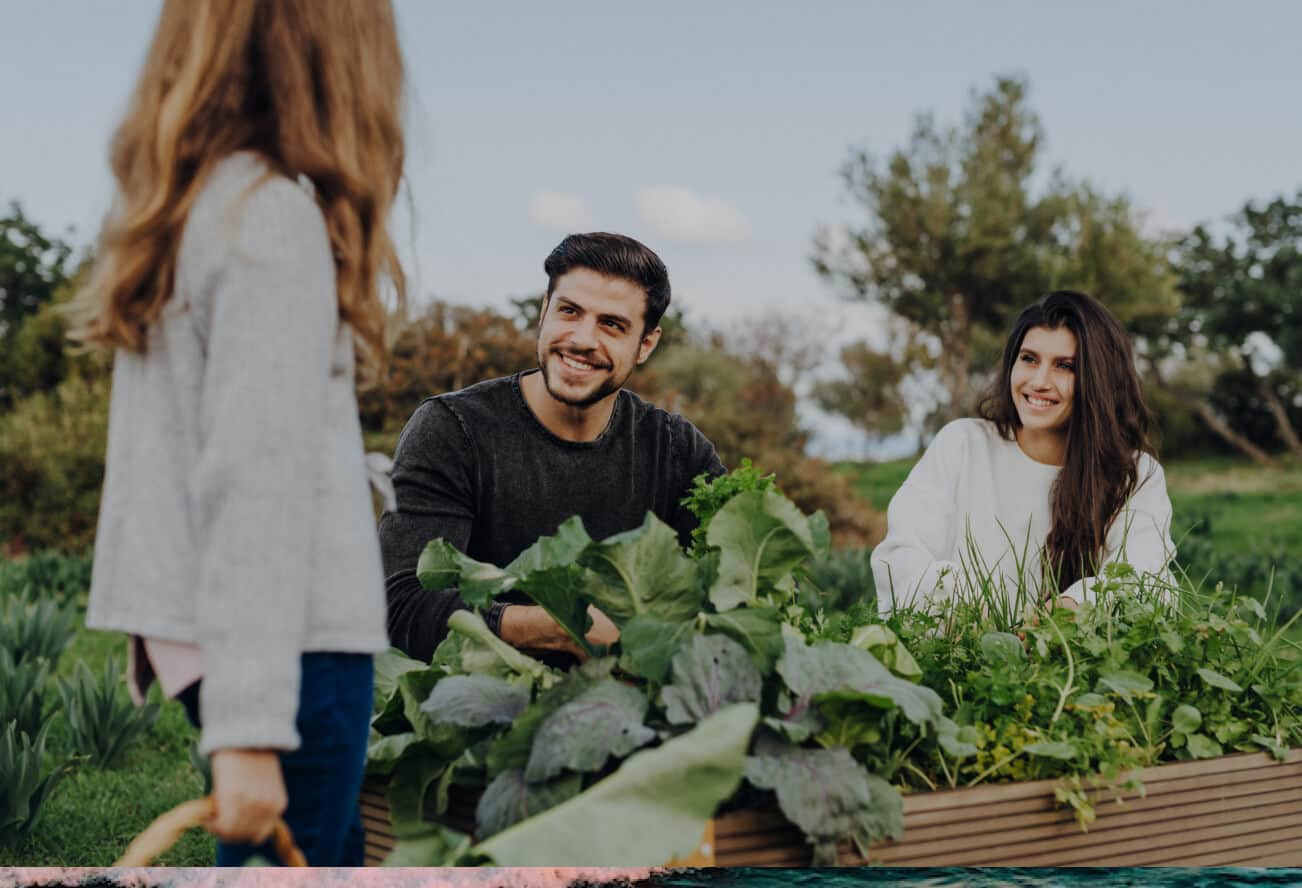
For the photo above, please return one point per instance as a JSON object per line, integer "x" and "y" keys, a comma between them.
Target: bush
{"x": 63, "y": 578}
{"x": 24, "y": 784}
{"x": 32, "y": 629}
{"x": 22, "y": 692}
{"x": 102, "y": 721}
{"x": 52, "y": 447}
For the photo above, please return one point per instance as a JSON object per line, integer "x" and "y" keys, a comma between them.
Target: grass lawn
{"x": 1245, "y": 504}
{"x": 93, "y": 814}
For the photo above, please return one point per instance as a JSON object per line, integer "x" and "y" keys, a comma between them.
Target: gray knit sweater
{"x": 236, "y": 512}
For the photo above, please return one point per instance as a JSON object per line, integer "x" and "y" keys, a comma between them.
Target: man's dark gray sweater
{"x": 478, "y": 469}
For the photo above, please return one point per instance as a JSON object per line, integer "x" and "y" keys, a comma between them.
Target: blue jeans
{"x": 323, "y": 777}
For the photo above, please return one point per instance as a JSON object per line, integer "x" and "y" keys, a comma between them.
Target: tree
{"x": 955, "y": 241}
{"x": 33, "y": 268}
{"x": 870, "y": 394}
{"x": 1241, "y": 319}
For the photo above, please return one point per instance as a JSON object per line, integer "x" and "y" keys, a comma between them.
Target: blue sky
{"x": 714, "y": 131}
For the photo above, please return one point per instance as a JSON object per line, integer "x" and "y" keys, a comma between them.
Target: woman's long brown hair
{"x": 313, "y": 87}
{"x": 1110, "y": 425}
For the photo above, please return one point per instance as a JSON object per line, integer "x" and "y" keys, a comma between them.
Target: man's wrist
{"x": 493, "y": 617}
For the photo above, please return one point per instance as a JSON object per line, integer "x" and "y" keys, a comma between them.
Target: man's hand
{"x": 249, "y": 790}
{"x": 529, "y": 627}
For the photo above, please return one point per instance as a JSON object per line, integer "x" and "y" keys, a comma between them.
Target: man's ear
{"x": 649, "y": 343}
{"x": 542, "y": 312}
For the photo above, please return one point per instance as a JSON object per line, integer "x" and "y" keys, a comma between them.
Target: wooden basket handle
{"x": 164, "y": 832}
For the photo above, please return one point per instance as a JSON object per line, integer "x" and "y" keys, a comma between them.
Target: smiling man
{"x": 495, "y": 466}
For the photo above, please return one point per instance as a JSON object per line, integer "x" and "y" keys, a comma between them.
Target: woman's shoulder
{"x": 965, "y": 433}
{"x": 245, "y": 198}
{"x": 1148, "y": 470}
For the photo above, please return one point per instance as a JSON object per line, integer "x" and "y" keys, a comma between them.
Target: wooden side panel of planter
{"x": 1239, "y": 810}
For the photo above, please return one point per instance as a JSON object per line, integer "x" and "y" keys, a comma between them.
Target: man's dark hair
{"x": 616, "y": 256}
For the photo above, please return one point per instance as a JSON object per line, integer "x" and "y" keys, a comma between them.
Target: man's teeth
{"x": 577, "y": 365}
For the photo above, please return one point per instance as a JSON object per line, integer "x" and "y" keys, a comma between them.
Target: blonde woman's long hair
{"x": 313, "y": 86}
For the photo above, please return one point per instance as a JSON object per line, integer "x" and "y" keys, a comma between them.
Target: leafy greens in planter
{"x": 731, "y": 687}
{"x": 624, "y": 758}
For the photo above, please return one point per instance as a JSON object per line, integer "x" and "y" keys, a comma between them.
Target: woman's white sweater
{"x": 976, "y": 504}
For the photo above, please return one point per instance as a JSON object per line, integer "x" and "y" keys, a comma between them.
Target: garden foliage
{"x": 748, "y": 659}
{"x": 102, "y": 721}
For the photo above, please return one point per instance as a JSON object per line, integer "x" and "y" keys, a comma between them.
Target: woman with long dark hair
{"x": 1055, "y": 479}
{"x": 240, "y": 268}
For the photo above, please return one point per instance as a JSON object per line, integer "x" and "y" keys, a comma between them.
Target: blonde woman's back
{"x": 236, "y": 511}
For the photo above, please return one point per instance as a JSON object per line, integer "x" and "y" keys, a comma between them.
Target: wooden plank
{"x": 1277, "y": 853}
{"x": 981, "y": 796}
{"x": 1154, "y": 832}
{"x": 1136, "y": 815}
{"x": 1110, "y": 814}
{"x": 1205, "y": 853}
{"x": 1020, "y": 803}
{"x": 1142, "y": 851}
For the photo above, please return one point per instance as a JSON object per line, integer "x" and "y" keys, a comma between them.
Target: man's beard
{"x": 607, "y": 387}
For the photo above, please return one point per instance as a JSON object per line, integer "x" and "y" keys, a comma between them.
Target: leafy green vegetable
{"x": 649, "y": 644}
{"x": 849, "y": 673}
{"x": 643, "y": 572}
{"x": 434, "y": 846}
{"x": 1002, "y": 647}
{"x": 471, "y": 647}
{"x": 828, "y": 795}
{"x": 390, "y": 665}
{"x": 510, "y": 798}
{"x": 710, "y": 673}
{"x": 709, "y": 495}
{"x": 757, "y": 629}
{"x": 511, "y": 749}
{"x": 472, "y": 701}
{"x": 603, "y": 721}
{"x": 883, "y": 644}
{"x": 761, "y": 537}
{"x": 1216, "y": 680}
{"x": 442, "y": 565}
{"x": 561, "y": 549}
{"x": 1186, "y": 719}
{"x": 652, "y": 809}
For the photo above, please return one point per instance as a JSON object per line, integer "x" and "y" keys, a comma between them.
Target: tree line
{"x": 955, "y": 231}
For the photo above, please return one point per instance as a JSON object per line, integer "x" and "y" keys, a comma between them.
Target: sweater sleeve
{"x": 1141, "y": 534}
{"x": 434, "y": 486}
{"x": 912, "y": 565}
{"x": 269, "y": 297}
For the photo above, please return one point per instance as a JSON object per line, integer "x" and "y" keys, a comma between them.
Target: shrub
{"x": 52, "y": 447}
{"x": 35, "y": 629}
{"x": 102, "y": 721}
{"x": 61, "y": 577}
{"x": 24, "y": 784}
{"x": 22, "y": 692}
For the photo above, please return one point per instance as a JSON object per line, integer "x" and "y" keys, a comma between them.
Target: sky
{"x": 714, "y": 131}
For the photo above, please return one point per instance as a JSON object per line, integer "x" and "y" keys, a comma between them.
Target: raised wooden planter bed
{"x": 1239, "y": 810}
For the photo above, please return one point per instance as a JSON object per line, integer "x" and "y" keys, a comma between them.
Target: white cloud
{"x": 560, "y": 212}
{"x": 682, "y": 216}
